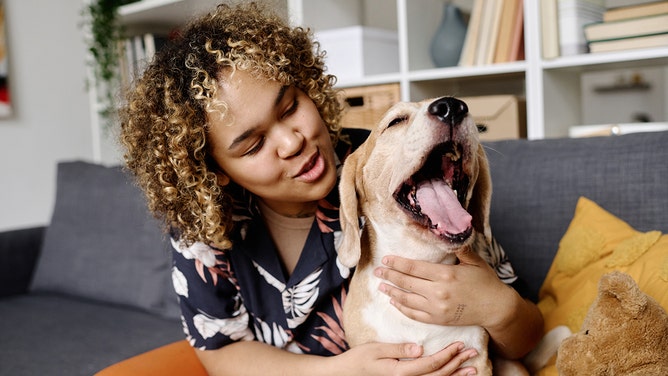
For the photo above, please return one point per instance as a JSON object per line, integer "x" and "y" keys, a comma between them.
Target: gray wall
{"x": 51, "y": 120}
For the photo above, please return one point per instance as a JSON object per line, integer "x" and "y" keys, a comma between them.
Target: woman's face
{"x": 273, "y": 142}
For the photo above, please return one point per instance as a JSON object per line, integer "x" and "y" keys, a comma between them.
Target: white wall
{"x": 50, "y": 103}
{"x": 621, "y": 106}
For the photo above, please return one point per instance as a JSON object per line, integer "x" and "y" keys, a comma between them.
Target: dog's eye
{"x": 587, "y": 332}
{"x": 397, "y": 120}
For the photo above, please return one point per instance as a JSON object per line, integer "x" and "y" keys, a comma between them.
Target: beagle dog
{"x": 422, "y": 187}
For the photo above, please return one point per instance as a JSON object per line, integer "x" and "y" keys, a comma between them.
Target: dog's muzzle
{"x": 435, "y": 195}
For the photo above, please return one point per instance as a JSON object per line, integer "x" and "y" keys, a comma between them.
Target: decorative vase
{"x": 446, "y": 45}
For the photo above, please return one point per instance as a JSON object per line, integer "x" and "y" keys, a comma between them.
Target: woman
{"x": 233, "y": 133}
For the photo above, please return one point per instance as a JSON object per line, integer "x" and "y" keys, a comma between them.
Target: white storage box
{"x": 358, "y": 51}
{"x": 614, "y": 129}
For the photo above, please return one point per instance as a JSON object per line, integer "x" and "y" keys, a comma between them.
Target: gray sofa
{"x": 93, "y": 288}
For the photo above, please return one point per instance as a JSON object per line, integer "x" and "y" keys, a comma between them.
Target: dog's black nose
{"x": 449, "y": 110}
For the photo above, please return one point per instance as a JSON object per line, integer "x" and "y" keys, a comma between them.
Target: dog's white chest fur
{"x": 392, "y": 326}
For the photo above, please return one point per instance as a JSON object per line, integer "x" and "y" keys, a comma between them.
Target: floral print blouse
{"x": 244, "y": 293}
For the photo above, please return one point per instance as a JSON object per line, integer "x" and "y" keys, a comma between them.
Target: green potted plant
{"x": 105, "y": 33}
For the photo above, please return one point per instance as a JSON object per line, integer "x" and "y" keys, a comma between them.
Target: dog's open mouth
{"x": 436, "y": 193}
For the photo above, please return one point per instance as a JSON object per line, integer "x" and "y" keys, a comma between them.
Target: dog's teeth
{"x": 454, "y": 190}
{"x": 454, "y": 155}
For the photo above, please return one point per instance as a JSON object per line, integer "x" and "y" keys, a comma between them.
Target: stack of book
{"x": 573, "y": 16}
{"x": 495, "y": 33}
{"x": 137, "y": 52}
{"x": 643, "y": 25}
{"x": 562, "y": 23}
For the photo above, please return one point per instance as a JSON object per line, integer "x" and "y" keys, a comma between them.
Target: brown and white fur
{"x": 431, "y": 144}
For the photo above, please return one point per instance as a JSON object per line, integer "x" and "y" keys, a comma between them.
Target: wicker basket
{"x": 365, "y": 105}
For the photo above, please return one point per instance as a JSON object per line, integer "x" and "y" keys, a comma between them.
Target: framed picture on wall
{"x": 5, "y": 103}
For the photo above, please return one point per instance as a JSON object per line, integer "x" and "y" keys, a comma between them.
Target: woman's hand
{"x": 468, "y": 293}
{"x": 382, "y": 359}
{"x": 404, "y": 359}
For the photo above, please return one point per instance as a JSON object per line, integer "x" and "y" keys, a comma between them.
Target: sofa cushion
{"x": 536, "y": 185}
{"x": 102, "y": 243}
{"x": 51, "y": 334}
{"x": 597, "y": 242}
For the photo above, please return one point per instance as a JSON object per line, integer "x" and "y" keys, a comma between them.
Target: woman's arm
{"x": 518, "y": 329}
{"x": 469, "y": 293}
{"x": 257, "y": 358}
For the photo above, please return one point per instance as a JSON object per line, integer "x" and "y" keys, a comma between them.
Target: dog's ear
{"x": 350, "y": 248}
{"x": 480, "y": 203}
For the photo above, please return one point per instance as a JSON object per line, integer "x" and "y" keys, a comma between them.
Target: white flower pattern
{"x": 298, "y": 300}
{"x": 235, "y": 327}
{"x": 180, "y": 282}
{"x": 198, "y": 251}
{"x": 272, "y": 334}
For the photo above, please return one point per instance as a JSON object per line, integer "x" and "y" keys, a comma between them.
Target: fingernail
{"x": 377, "y": 272}
{"x": 385, "y": 260}
{"x": 414, "y": 349}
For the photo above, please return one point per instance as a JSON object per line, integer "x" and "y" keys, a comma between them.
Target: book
{"x": 152, "y": 44}
{"x": 516, "y": 52}
{"x": 149, "y": 46}
{"x": 486, "y": 41}
{"x": 125, "y": 70}
{"x": 467, "y": 57}
{"x": 136, "y": 52}
{"x": 483, "y": 37}
{"x": 635, "y": 11}
{"x": 624, "y": 3}
{"x": 139, "y": 55}
{"x": 627, "y": 28}
{"x": 573, "y": 15}
{"x": 647, "y": 41}
{"x": 494, "y": 30}
{"x": 506, "y": 31}
{"x": 549, "y": 29}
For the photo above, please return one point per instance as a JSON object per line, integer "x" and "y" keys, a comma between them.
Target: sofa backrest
{"x": 537, "y": 183}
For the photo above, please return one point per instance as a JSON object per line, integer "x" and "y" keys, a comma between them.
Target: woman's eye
{"x": 255, "y": 148}
{"x": 397, "y": 120}
{"x": 292, "y": 109}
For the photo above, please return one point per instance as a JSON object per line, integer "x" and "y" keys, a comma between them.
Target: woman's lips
{"x": 313, "y": 170}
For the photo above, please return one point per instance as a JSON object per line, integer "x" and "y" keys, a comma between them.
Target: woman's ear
{"x": 223, "y": 179}
{"x": 212, "y": 165}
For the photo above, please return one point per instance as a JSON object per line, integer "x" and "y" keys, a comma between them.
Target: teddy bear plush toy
{"x": 625, "y": 332}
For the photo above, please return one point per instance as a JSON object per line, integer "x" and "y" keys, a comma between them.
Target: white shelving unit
{"x": 551, "y": 87}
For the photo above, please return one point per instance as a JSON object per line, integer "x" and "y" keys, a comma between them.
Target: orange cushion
{"x": 177, "y": 358}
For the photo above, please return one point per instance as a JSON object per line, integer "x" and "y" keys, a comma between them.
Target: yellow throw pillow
{"x": 597, "y": 242}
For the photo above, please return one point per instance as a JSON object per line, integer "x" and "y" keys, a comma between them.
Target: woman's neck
{"x": 292, "y": 209}
{"x": 288, "y": 233}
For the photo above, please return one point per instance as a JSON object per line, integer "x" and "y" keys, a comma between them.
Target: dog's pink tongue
{"x": 439, "y": 202}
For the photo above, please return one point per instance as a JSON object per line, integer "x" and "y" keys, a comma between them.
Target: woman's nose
{"x": 291, "y": 142}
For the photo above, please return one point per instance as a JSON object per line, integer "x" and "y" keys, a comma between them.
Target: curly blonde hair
{"x": 164, "y": 123}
